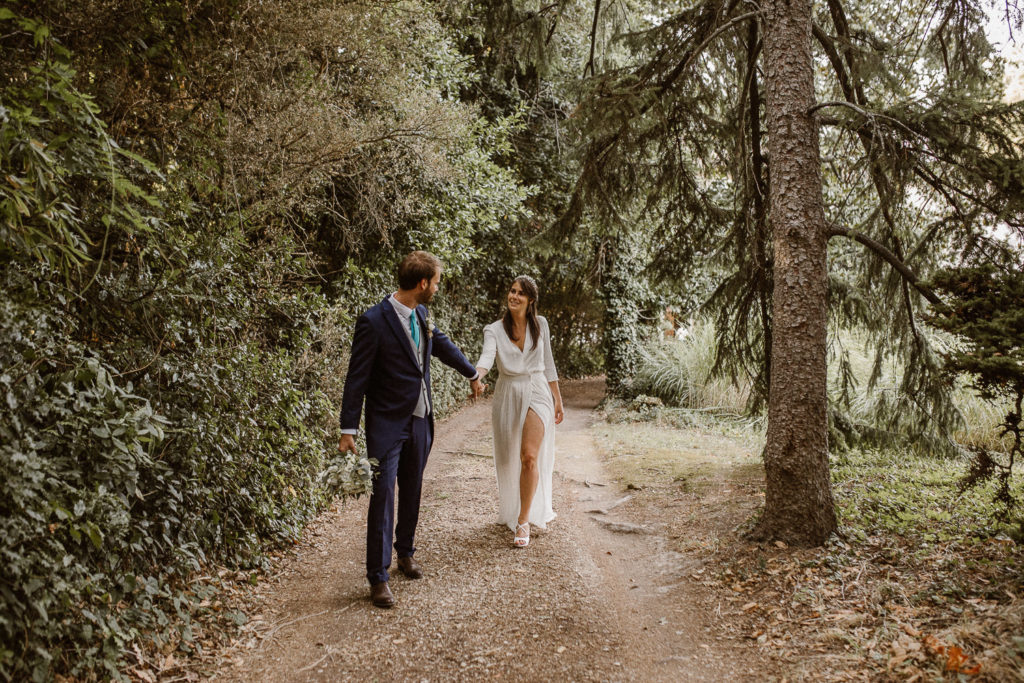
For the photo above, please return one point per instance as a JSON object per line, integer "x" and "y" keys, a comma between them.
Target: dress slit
{"x": 523, "y": 428}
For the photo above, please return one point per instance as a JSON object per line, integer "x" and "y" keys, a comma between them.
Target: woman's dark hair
{"x": 529, "y": 287}
{"x": 416, "y": 267}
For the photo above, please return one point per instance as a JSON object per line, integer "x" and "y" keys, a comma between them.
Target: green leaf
{"x": 42, "y": 32}
{"x": 95, "y": 535}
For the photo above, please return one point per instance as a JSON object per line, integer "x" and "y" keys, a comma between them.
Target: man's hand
{"x": 347, "y": 443}
{"x": 477, "y": 388}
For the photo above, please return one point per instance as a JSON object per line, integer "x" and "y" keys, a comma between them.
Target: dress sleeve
{"x": 490, "y": 349}
{"x": 549, "y": 359}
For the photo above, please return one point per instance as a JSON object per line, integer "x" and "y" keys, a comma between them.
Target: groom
{"x": 390, "y": 368}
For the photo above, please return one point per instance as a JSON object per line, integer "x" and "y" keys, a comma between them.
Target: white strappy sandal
{"x": 521, "y": 541}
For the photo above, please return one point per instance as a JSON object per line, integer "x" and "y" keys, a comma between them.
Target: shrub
{"x": 172, "y": 350}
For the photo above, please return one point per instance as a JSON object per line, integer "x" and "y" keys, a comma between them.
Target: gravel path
{"x": 594, "y": 598}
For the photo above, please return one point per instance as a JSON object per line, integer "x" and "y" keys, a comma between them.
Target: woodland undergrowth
{"x": 921, "y": 583}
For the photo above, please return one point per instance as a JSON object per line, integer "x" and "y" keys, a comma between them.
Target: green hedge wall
{"x": 171, "y": 359}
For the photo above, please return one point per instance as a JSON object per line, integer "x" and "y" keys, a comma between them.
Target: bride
{"x": 527, "y": 406}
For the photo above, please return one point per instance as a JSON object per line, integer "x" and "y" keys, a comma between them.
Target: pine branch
{"x": 593, "y": 39}
{"x": 692, "y": 55}
{"x": 828, "y": 45}
{"x": 760, "y": 193}
{"x": 869, "y": 115}
{"x": 930, "y": 136}
{"x": 596, "y": 157}
{"x": 947, "y": 190}
{"x": 888, "y": 256}
{"x": 843, "y": 30}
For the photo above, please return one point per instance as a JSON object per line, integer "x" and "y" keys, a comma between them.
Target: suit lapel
{"x": 391, "y": 315}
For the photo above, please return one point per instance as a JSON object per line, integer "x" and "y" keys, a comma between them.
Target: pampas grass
{"x": 678, "y": 371}
{"x": 878, "y": 407}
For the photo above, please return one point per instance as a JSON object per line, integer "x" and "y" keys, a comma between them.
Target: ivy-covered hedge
{"x": 173, "y": 346}
{"x": 160, "y": 413}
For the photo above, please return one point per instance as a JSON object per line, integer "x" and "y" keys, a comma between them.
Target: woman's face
{"x": 517, "y": 299}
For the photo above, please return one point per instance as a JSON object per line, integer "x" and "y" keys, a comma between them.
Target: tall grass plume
{"x": 678, "y": 371}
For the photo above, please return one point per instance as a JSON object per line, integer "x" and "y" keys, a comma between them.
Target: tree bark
{"x": 798, "y": 498}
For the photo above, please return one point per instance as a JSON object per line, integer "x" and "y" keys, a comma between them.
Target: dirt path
{"x": 595, "y": 598}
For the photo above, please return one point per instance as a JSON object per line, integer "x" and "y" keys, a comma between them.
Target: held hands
{"x": 347, "y": 443}
{"x": 477, "y": 388}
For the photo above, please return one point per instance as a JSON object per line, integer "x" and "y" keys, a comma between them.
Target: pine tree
{"x": 984, "y": 306}
{"x": 714, "y": 125}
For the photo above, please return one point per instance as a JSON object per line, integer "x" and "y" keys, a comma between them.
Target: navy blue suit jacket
{"x": 383, "y": 371}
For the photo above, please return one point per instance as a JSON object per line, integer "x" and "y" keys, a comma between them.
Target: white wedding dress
{"x": 523, "y": 378}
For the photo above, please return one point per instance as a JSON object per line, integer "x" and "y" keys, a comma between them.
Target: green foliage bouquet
{"x": 348, "y": 475}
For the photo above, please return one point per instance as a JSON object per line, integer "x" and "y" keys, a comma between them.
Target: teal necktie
{"x": 415, "y": 329}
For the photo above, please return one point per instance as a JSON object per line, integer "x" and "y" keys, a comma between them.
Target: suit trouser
{"x": 402, "y": 464}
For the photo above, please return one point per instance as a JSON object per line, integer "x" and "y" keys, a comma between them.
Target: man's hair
{"x": 417, "y": 266}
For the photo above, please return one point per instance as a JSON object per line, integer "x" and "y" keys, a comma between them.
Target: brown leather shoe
{"x": 410, "y": 567}
{"x": 381, "y": 595}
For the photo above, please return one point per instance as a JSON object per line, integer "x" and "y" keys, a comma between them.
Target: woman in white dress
{"x": 527, "y": 406}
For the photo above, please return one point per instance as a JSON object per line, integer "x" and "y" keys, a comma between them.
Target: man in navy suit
{"x": 390, "y": 367}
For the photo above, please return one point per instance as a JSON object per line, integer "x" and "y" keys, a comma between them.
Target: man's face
{"x": 426, "y": 294}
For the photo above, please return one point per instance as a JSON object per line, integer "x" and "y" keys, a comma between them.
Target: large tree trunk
{"x": 798, "y": 498}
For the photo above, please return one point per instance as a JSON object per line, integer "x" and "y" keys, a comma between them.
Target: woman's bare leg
{"x": 529, "y": 475}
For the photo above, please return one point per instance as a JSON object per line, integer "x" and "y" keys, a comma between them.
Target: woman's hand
{"x": 477, "y": 386}
{"x": 559, "y": 413}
